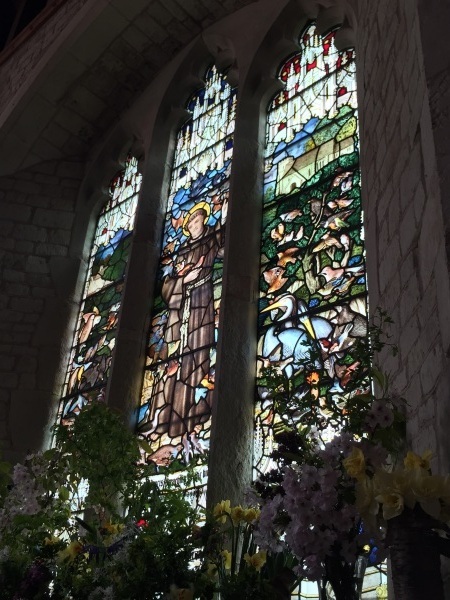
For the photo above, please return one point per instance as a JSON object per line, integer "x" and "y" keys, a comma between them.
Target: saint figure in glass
{"x": 174, "y": 417}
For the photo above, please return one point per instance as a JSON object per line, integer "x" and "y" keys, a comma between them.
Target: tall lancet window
{"x": 95, "y": 333}
{"x": 313, "y": 288}
{"x": 175, "y": 412}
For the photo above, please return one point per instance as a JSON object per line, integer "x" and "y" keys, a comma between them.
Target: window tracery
{"x": 312, "y": 286}
{"x": 174, "y": 417}
{"x": 95, "y": 334}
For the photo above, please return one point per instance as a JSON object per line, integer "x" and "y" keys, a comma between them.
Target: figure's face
{"x": 195, "y": 225}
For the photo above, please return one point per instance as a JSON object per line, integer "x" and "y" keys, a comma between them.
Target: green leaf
{"x": 63, "y": 493}
{"x": 145, "y": 446}
{"x": 379, "y": 377}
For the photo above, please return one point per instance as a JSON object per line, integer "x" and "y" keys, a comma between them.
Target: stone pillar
{"x": 232, "y": 426}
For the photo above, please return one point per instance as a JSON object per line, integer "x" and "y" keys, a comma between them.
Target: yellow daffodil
{"x": 211, "y": 570}
{"x": 257, "y": 561}
{"x": 445, "y": 508}
{"x": 427, "y": 490}
{"x": 226, "y": 554}
{"x": 251, "y": 514}
{"x": 393, "y": 504}
{"x": 51, "y": 541}
{"x": 366, "y": 501}
{"x": 355, "y": 464}
{"x": 113, "y": 528}
{"x": 69, "y": 553}
{"x": 414, "y": 461}
{"x": 221, "y": 510}
{"x": 237, "y": 514}
{"x": 446, "y": 489}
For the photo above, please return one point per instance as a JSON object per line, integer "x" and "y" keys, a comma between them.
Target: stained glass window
{"x": 95, "y": 334}
{"x": 175, "y": 412}
{"x": 313, "y": 286}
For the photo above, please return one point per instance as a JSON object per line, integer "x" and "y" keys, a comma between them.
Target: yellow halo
{"x": 199, "y": 206}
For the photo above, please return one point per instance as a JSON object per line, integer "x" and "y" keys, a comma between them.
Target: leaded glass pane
{"x": 313, "y": 284}
{"x": 95, "y": 334}
{"x": 175, "y": 412}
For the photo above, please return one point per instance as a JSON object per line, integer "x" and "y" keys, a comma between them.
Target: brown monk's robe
{"x": 194, "y": 300}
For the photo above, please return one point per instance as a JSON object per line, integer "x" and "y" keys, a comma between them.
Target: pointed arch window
{"x": 313, "y": 284}
{"x": 95, "y": 334}
{"x": 175, "y": 412}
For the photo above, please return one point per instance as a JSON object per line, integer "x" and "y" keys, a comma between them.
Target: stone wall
{"x": 408, "y": 275}
{"x": 17, "y": 69}
{"x": 37, "y": 208}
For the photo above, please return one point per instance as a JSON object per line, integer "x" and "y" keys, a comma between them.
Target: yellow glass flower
{"x": 257, "y": 561}
{"x": 221, "y": 510}
{"x": 355, "y": 464}
{"x": 226, "y": 554}
{"x": 414, "y": 461}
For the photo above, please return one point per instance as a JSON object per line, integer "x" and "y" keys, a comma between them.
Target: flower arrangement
{"x": 385, "y": 492}
{"x": 312, "y": 512}
{"x": 233, "y": 563}
{"x": 413, "y": 506}
{"x": 309, "y": 501}
{"x": 85, "y": 521}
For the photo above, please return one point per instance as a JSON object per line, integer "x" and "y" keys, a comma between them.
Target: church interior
{"x": 86, "y": 83}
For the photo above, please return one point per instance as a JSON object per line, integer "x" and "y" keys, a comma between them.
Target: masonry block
{"x": 30, "y": 233}
{"x": 53, "y": 218}
{"x": 27, "y": 305}
{"x": 36, "y": 264}
{"x": 15, "y": 212}
{"x": 17, "y": 289}
{"x": 24, "y": 247}
{"x": 51, "y": 250}
{"x": 408, "y": 230}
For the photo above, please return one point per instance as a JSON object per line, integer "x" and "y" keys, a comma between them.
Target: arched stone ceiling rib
{"x": 97, "y": 74}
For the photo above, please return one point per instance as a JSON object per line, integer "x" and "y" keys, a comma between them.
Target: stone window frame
{"x": 148, "y": 131}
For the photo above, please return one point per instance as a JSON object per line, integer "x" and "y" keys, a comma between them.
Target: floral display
{"x": 87, "y": 520}
{"x": 234, "y": 564}
{"x": 311, "y": 499}
{"x": 84, "y": 521}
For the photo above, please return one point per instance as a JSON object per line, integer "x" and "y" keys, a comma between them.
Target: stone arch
{"x": 232, "y": 429}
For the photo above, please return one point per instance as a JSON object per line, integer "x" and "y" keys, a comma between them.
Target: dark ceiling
{"x": 98, "y": 73}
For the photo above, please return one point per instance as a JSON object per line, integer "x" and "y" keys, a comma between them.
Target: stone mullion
{"x": 125, "y": 382}
{"x": 230, "y": 463}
